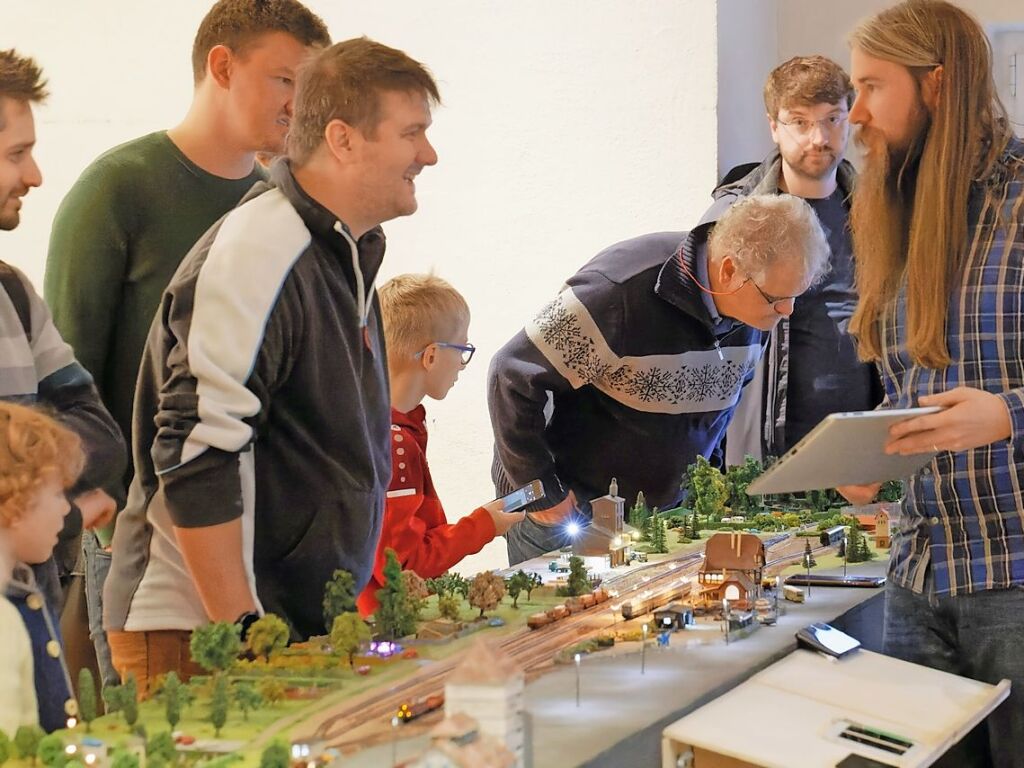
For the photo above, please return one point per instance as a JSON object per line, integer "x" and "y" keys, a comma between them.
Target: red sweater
{"x": 414, "y": 522}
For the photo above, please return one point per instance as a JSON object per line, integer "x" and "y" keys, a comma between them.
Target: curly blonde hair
{"x": 33, "y": 445}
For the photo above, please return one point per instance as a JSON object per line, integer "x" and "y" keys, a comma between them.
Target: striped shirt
{"x": 963, "y": 513}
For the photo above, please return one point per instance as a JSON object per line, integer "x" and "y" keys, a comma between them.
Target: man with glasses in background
{"x": 810, "y": 368}
{"x": 636, "y": 366}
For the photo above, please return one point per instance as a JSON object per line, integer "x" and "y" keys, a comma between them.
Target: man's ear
{"x": 341, "y": 138}
{"x": 219, "y": 63}
{"x": 727, "y": 271}
{"x": 429, "y": 357}
{"x": 931, "y": 88}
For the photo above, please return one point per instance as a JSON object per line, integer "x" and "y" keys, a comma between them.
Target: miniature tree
{"x": 125, "y": 759}
{"x": 891, "y": 491}
{"x": 515, "y": 585}
{"x": 275, "y": 755}
{"x": 124, "y": 699}
{"x": 485, "y": 591}
{"x": 709, "y": 490}
{"x": 348, "y": 633}
{"x": 639, "y": 511}
{"x": 579, "y": 582}
{"x": 50, "y": 751}
{"x": 449, "y": 607}
{"x": 449, "y": 584}
{"x": 215, "y": 646}
{"x": 809, "y": 561}
{"x": 219, "y": 703}
{"x": 393, "y": 618}
{"x": 162, "y": 746}
{"x": 659, "y": 536}
{"x": 737, "y": 479}
{"x": 175, "y": 695}
{"x": 535, "y": 581}
{"x": 647, "y": 526}
{"x": 694, "y": 526}
{"x": 416, "y": 593}
{"x": 6, "y": 748}
{"x": 339, "y": 596}
{"x": 86, "y": 697}
{"x": 269, "y": 634}
{"x": 247, "y": 697}
{"x": 26, "y": 741}
{"x": 271, "y": 689}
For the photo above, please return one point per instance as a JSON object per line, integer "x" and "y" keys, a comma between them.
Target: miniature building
{"x": 489, "y": 686}
{"x": 456, "y": 742}
{"x": 606, "y": 535}
{"x": 732, "y": 569}
{"x": 875, "y": 520}
{"x": 673, "y": 616}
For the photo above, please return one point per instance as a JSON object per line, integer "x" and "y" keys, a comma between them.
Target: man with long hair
{"x": 938, "y": 229}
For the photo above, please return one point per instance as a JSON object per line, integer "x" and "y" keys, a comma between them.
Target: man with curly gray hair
{"x": 642, "y": 357}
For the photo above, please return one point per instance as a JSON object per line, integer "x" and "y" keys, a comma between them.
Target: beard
{"x": 799, "y": 163}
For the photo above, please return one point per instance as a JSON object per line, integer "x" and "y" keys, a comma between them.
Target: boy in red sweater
{"x": 426, "y": 327}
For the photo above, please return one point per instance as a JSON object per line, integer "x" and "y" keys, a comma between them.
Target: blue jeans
{"x": 980, "y": 636}
{"x": 530, "y": 539}
{"x": 97, "y": 566}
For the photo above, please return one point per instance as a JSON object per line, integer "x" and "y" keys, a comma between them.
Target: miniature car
{"x": 410, "y": 653}
{"x": 363, "y": 669}
{"x": 497, "y": 621}
{"x": 184, "y": 739}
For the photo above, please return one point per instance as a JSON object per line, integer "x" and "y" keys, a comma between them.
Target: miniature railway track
{"x": 530, "y": 649}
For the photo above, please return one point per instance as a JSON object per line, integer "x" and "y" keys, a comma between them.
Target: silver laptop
{"x": 844, "y": 449}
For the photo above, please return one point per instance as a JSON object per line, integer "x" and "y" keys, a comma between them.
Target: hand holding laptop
{"x": 970, "y": 418}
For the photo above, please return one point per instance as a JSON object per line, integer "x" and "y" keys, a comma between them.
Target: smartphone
{"x": 520, "y": 497}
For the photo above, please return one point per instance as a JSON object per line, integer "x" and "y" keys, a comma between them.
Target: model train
{"x": 650, "y": 600}
{"x": 832, "y": 536}
{"x": 410, "y": 710}
{"x": 570, "y": 606}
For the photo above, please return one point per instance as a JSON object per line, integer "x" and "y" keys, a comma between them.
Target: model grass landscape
{"x": 259, "y": 696}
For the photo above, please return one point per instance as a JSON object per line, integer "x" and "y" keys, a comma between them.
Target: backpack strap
{"x": 11, "y": 282}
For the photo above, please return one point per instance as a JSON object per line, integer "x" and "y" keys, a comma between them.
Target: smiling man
{"x": 810, "y": 368}
{"x": 262, "y": 419}
{"x": 131, "y": 217}
{"x": 938, "y": 232}
{"x": 642, "y": 356}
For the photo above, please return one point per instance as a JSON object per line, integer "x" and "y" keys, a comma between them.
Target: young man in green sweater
{"x": 135, "y": 212}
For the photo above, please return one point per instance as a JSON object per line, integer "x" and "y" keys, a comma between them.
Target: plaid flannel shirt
{"x": 963, "y": 513}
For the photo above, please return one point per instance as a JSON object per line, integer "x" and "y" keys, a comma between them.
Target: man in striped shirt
{"x": 938, "y": 229}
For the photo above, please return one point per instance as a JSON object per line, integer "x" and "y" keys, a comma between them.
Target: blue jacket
{"x": 55, "y": 697}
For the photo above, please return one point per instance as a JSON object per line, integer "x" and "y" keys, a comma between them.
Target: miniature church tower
{"x": 603, "y": 537}
{"x": 488, "y": 686}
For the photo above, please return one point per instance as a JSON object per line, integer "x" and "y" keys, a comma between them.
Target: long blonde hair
{"x": 922, "y": 232}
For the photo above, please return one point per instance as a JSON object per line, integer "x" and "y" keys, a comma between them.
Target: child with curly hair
{"x": 39, "y": 461}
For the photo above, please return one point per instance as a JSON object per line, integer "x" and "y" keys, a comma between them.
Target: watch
{"x": 245, "y": 621}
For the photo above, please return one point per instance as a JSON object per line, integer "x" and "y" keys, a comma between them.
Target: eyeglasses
{"x": 773, "y": 300}
{"x": 803, "y": 127}
{"x": 466, "y": 350}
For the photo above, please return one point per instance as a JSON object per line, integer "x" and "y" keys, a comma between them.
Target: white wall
{"x": 567, "y": 126}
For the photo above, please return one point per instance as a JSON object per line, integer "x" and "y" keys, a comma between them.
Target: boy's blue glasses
{"x": 466, "y": 350}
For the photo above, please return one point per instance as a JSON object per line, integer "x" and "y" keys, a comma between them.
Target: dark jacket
{"x": 640, "y": 384}
{"x": 759, "y": 426}
{"x": 263, "y": 395}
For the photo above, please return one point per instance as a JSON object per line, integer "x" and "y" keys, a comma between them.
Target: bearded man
{"x": 938, "y": 231}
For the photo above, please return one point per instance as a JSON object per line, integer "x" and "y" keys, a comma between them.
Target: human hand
{"x": 971, "y": 418}
{"x": 859, "y": 495}
{"x": 557, "y": 514}
{"x": 502, "y": 520}
{"x": 97, "y": 508}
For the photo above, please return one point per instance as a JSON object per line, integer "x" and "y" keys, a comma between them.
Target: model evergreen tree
{"x": 516, "y": 584}
{"x": 339, "y": 596}
{"x": 659, "y": 536}
{"x": 579, "y": 582}
{"x": 161, "y": 745}
{"x": 219, "y": 703}
{"x": 809, "y": 561}
{"x": 485, "y": 591}
{"x": 393, "y": 619}
{"x": 639, "y": 511}
{"x": 86, "y": 697}
{"x": 694, "y": 526}
{"x": 269, "y": 634}
{"x": 215, "y": 646}
{"x": 175, "y": 696}
{"x": 348, "y": 633}
{"x": 124, "y": 699}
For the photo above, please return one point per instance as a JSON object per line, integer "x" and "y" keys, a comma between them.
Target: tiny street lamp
{"x": 725, "y": 617}
{"x": 643, "y": 650}
{"x": 394, "y": 741}
{"x": 807, "y": 565}
{"x": 577, "y": 680}
{"x": 846, "y": 554}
